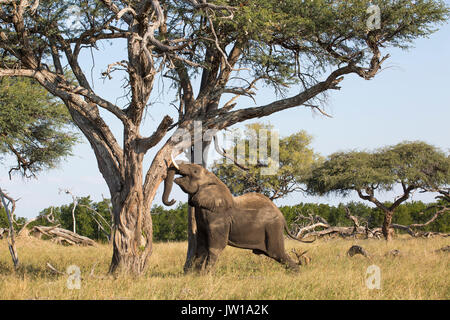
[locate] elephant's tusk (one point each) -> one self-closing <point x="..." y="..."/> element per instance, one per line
<point x="174" y="162"/>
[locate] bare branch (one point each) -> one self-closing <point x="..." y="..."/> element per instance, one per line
<point x="10" y="216"/>
<point x="49" y="217"/>
<point x="203" y="4"/>
<point x="230" y="118"/>
<point x="224" y="154"/>
<point x="314" y="107"/>
<point x="147" y="143"/>
<point x="125" y="16"/>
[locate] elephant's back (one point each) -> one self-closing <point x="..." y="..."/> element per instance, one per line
<point x="253" y="200"/>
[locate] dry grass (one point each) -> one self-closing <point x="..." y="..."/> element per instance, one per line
<point x="419" y="273"/>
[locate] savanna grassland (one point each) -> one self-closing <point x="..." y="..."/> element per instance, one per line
<point x="418" y="273"/>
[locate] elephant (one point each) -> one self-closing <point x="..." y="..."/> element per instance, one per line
<point x="250" y="221"/>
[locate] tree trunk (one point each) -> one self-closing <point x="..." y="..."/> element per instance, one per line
<point x="192" y="240"/>
<point x="386" y="229"/>
<point x="132" y="237"/>
<point x="11" y="240"/>
<point x="133" y="228"/>
<point x="132" y="233"/>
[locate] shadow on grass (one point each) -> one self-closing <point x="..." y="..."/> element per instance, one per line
<point x="169" y="274"/>
<point x="29" y="270"/>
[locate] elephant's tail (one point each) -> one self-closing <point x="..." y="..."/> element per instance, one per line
<point x="294" y="237"/>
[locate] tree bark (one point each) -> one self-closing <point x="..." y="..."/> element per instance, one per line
<point x="131" y="232"/>
<point x="133" y="227"/>
<point x="386" y="228"/>
<point x="11" y="240"/>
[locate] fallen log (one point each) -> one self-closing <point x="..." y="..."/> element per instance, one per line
<point x="61" y="236"/>
<point x="316" y="222"/>
<point x="327" y="229"/>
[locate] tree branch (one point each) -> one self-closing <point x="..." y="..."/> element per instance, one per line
<point x="230" y="118"/>
<point x="145" y="144"/>
<point x="372" y="199"/>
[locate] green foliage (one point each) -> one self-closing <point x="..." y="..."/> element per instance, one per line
<point x="414" y="164"/>
<point x="85" y="216"/>
<point x="33" y="126"/>
<point x="170" y="225"/>
<point x="3" y="219"/>
<point x="406" y="214"/>
<point x="295" y="161"/>
<point x="288" y="42"/>
<point x="281" y="35"/>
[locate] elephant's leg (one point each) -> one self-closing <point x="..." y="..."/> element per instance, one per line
<point x="276" y="250"/>
<point x="213" y="253"/>
<point x="284" y="259"/>
<point x="201" y="253"/>
<point x="217" y="241"/>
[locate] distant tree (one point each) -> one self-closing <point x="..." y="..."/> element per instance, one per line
<point x="170" y="225"/>
<point x="34" y="126"/>
<point x="93" y="218"/>
<point x="295" y="162"/>
<point x="33" y="130"/>
<point x="409" y="165"/>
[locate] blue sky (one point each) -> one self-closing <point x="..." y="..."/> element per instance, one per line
<point x="408" y="100"/>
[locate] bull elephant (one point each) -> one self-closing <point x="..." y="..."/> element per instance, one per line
<point x="250" y="221"/>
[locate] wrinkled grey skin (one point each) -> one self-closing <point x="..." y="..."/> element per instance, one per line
<point x="250" y="221"/>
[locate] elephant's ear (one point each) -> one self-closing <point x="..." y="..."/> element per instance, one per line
<point x="213" y="197"/>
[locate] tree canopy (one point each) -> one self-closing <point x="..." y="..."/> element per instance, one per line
<point x="295" y="160"/>
<point x="34" y="126"/>
<point x="409" y="165"/>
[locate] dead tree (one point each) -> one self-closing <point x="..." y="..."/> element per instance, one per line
<point x="96" y="216"/>
<point x="49" y="217"/>
<point x="8" y="202"/>
<point x="412" y="228"/>
<point x="55" y="233"/>
<point x="61" y="236"/>
<point x="94" y="213"/>
<point x="75" y="203"/>
<point x="316" y="222"/>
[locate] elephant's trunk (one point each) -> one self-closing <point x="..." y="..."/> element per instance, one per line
<point x="168" y="183"/>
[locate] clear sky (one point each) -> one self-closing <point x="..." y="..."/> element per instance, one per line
<point x="408" y="100"/>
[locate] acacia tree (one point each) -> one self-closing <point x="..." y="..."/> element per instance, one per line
<point x="34" y="131"/>
<point x="230" y="47"/>
<point x="34" y="127"/>
<point x="295" y="159"/>
<point x="412" y="166"/>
